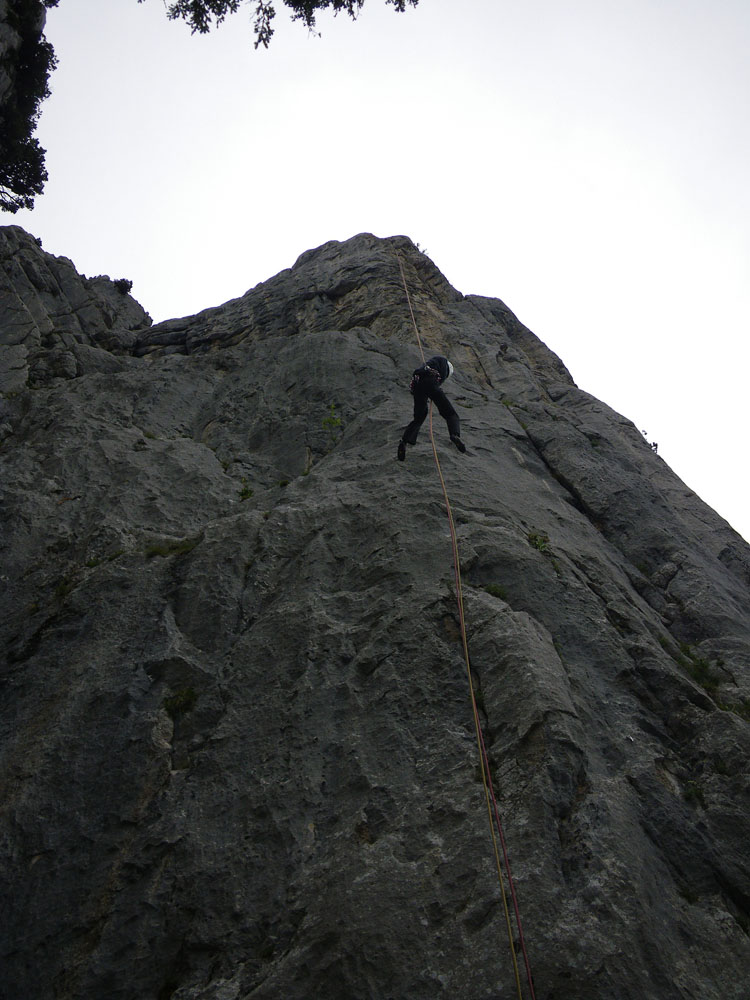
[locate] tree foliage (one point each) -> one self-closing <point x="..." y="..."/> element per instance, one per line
<point x="202" y="15"/>
<point x="26" y="66"/>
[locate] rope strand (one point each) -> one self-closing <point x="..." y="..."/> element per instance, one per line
<point x="483" y="757"/>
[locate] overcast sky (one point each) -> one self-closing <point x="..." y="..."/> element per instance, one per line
<point x="586" y="162"/>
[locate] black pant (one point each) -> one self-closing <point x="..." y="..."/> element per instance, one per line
<point x="421" y="408"/>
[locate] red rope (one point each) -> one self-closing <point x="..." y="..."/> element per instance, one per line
<point x="484" y="759"/>
<point x="511" y="882"/>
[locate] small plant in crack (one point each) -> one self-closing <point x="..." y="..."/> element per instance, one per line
<point x="694" y="793"/>
<point x="699" y="668"/>
<point x="538" y="540"/>
<point x="171" y="548"/>
<point x="740" y="708"/>
<point x="332" y="424"/>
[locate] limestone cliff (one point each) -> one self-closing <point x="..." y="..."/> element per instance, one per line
<point x="237" y="755"/>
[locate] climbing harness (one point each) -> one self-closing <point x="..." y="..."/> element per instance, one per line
<point x="428" y="374"/>
<point x="489" y="794"/>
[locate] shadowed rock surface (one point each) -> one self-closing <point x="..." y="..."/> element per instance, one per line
<point x="237" y="754"/>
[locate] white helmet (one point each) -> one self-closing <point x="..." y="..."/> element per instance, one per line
<point x="450" y="369"/>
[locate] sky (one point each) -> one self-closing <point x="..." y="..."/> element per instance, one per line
<point x="588" y="163"/>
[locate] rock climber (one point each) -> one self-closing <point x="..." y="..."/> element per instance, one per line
<point x="425" y="385"/>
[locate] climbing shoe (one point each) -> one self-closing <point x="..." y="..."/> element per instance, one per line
<point x="458" y="443"/>
<point x="401" y="451"/>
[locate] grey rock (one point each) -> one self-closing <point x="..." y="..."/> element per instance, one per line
<point x="51" y="315"/>
<point x="237" y="746"/>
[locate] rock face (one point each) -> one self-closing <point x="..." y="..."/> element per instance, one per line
<point x="237" y="751"/>
<point x="52" y="316"/>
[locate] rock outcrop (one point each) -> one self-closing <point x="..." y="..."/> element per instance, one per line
<point x="237" y="751"/>
<point x="52" y="316"/>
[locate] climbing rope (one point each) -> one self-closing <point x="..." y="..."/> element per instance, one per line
<point x="489" y="794"/>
